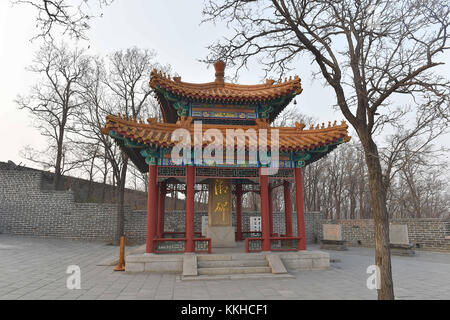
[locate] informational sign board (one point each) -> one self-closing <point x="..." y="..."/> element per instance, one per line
<point x="255" y="224"/>
<point x="204" y="225"/>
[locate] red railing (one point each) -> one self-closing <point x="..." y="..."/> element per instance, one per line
<point x="255" y="234"/>
<point x="246" y="234"/>
<point x="169" y="248"/>
<point x="276" y="244"/>
<point x="284" y="243"/>
<point x="249" y="248"/>
<point x="181" y="234"/>
<point x="199" y="249"/>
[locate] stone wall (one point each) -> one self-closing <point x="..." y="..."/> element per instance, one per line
<point x="28" y="208"/>
<point x="427" y="233"/>
<point x="175" y="220"/>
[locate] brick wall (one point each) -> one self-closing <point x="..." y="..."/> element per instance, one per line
<point x="26" y="208"/>
<point x="426" y="233"/>
<point x="175" y="220"/>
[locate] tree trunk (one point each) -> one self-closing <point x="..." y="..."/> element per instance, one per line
<point x="381" y="218"/>
<point x="120" y="207"/>
<point x="57" y="178"/>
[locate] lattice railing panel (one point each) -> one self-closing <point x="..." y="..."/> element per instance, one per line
<point x="284" y="243"/>
<point x="226" y="172"/>
<point x="169" y="245"/>
<point x="202" y="245"/>
<point x="253" y="244"/>
<point x="171" y="171"/>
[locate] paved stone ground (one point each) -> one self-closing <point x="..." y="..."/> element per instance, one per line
<point x="36" y="269"/>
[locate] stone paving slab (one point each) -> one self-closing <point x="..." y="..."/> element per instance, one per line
<point x="35" y="268"/>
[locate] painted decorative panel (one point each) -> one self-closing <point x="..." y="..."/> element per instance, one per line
<point x="220" y="111"/>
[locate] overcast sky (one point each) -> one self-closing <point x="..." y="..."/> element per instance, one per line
<point x="171" y="27"/>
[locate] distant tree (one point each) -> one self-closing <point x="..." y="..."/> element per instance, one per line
<point x="71" y="17"/>
<point x="53" y="103"/>
<point x="367" y="51"/>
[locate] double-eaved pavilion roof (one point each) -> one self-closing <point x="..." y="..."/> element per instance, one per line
<point x="258" y="104"/>
<point x="132" y="134"/>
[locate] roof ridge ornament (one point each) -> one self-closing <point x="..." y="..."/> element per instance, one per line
<point x="262" y="123"/>
<point x="185" y="122"/>
<point x="300" y="125"/>
<point x="219" y="66"/>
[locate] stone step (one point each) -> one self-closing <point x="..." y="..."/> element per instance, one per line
<point x="231" y="263"/>
<point x="248" y="276"/>
<point x="214" y="257"/>
<point x="248" y="256"/>
<point x="233" y="270"/>
<point x="234" y="256"/>
<point x="276" y="264"/>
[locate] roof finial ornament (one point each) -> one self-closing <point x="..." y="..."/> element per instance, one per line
<point x="219" y="66"/>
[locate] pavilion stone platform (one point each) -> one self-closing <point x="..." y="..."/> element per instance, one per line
<point x="228" y="263"/>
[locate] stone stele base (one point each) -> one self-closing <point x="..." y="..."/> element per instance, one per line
<point x="221" y="236"/>
<point x="333" y="245"/>
<point x="402" y="250"/>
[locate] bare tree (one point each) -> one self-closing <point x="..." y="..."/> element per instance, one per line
<point x="71" y="17"/>
<point x="368" y="51"/>
<point x="92" y="119"/>
<point x="117" y="85"/>
<point x="54" y="101"/>
<point x="127" y="81"/>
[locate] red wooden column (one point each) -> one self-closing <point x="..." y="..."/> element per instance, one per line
<point x="287" y="208"/>
<point x="271" y="209"/>
<point x="265" y="218"/>
<point x="300" y="208"/>
<point x="161" y="207"/>
<point x="158" y="190"/>
<point x="152" y="201"/>
<point x="239" y="212"/>
<point x="190" y="181"/>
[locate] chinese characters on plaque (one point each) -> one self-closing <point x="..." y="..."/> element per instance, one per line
<point x="219" y="202"/>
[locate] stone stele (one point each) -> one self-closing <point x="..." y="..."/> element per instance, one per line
<point x="220" y="228"/>
<point x="398" y="234"/>
<point x="332" y="232"/>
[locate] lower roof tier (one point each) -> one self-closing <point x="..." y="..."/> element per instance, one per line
<point x="307" y="144"/>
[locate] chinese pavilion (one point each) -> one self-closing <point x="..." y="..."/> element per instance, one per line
<point x="222" y="106"/>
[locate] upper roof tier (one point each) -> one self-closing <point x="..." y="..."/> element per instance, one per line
<point x="270" y="94"/>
